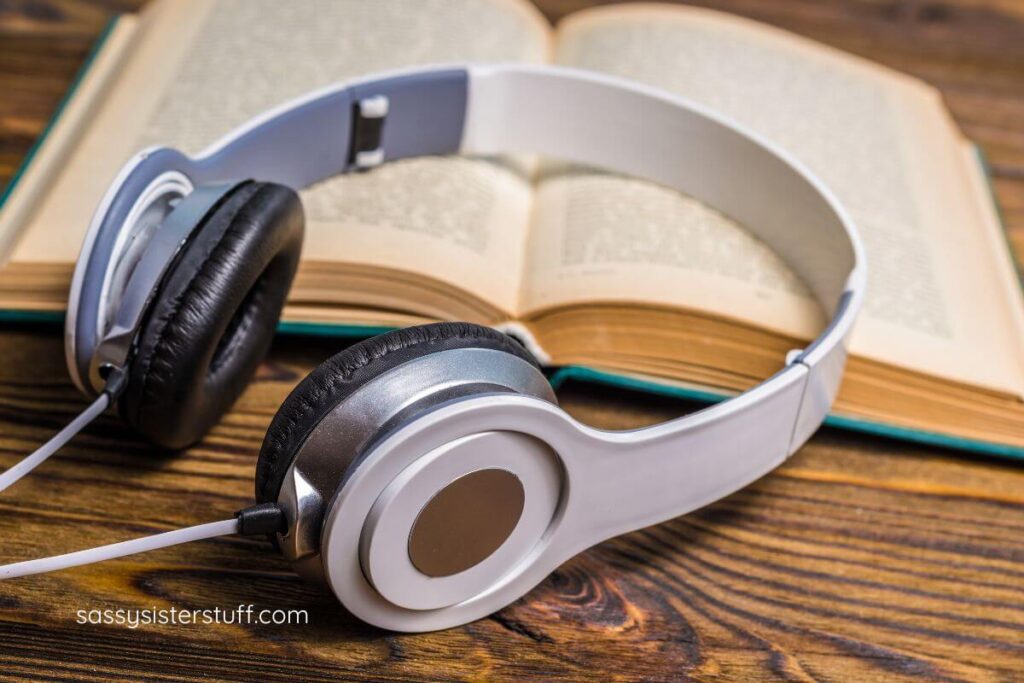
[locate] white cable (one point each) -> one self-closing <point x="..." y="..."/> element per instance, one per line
<point x="30" y="462"/>
<point x="109" y="552"/>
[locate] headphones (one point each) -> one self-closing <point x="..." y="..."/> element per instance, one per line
<point x="427" y="476"/>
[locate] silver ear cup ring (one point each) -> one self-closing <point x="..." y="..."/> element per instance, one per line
<point x="145" y="192"/>
<point x="137" y="270"/>
<point x="154" y="205"/>
<point x="349" y="432"/>
<point x="373" y="520"/>
<point x="517" y="480"/>
<point x="122" y="272"/>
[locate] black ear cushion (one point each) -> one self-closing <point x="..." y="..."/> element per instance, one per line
<point x="214" y="315"/>
<point x="342" y="374"/>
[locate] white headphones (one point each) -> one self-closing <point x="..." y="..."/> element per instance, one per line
<point x="428" y="475"/>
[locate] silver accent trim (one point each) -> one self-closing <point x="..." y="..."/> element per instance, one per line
<point x="303" y="511"/>
<point x="164" y="244"/>
<point x="332" y="448"/>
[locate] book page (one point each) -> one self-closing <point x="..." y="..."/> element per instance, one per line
<point x="204" y="67"/>
<point x="881" y="141"/>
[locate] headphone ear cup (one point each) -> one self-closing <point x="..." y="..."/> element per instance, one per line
<point x="345" y="373"/>
<point x="214" y="314"/>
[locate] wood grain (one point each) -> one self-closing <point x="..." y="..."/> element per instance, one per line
<point x="859" y="560"/>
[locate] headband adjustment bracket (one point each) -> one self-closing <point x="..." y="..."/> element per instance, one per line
<point x="365" y="142"/>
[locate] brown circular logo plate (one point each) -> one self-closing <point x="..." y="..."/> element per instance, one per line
<point x="465" y="522"/>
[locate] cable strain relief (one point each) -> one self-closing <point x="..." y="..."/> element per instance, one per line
<point x="115" y="381"/>
<point x="258" y="520"/>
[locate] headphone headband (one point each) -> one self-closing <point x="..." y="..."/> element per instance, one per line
<point x="565" y="113"/>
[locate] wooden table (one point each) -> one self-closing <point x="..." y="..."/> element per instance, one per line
<point x="861" y="559"/>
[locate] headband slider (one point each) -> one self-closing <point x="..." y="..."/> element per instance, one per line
<point x="368" y="117"/>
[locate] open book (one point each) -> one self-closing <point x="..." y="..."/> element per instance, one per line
<point x="640" y="285"/>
